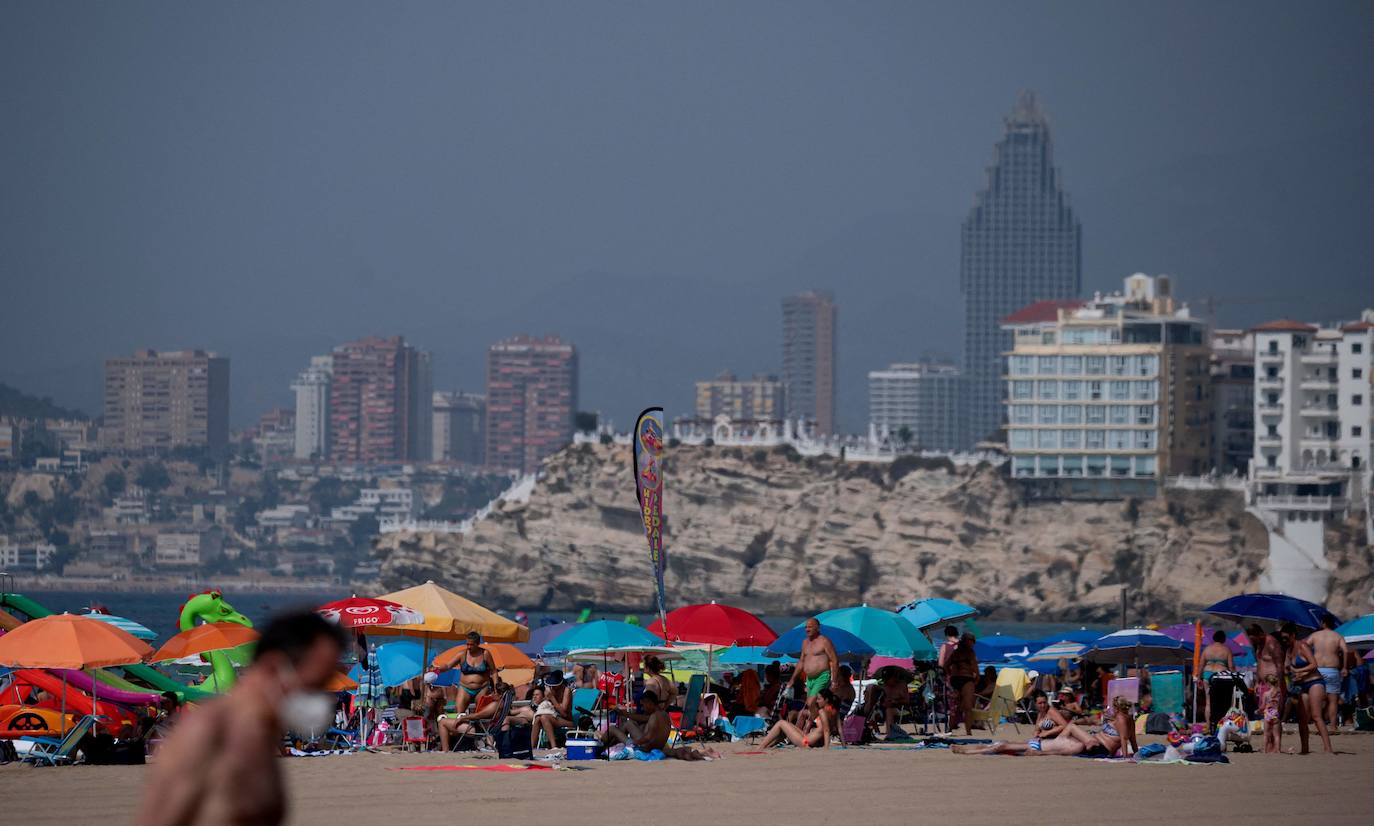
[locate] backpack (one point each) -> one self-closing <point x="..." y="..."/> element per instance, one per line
<point x="513" y="743"/>
<point x="854" y="730"/>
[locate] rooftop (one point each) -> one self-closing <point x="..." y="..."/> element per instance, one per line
<point x="1284" y="325"/>
<point x="1042" y="311"/>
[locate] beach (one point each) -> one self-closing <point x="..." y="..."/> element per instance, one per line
<point x="885" y="783"/>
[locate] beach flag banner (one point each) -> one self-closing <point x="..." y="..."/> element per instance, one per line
<point x="648" y="469"/>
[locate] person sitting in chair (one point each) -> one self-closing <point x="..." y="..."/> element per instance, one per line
<point x="554" y="711"/>
<point x="452" y="729"/>
<point x="891" y="696"/>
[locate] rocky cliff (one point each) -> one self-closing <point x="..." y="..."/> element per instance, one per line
<point x="775" y="532"/>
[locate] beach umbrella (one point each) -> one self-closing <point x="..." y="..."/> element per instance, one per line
<point x="1062" y="650"/>
<point x="603" y="634"/>
<point x="400" y="661"/>
<point x="933" y="611"/>
<point x="202" y="639"/>
<point x="1358" y="633"/>
<point x="1082" y="635"/>
<point x="70" y="642"/>
<point x="448" y="616"/>
<point x="886" y="632"/>
<point x="132" y="628"/>
<point x="714" y="624"/>
<point x="847" y="646"/>
<point x="1273" y="609"/>
<point x="366" y="612"/>
<point x="1000" y="647"/>
<point x="1137" y="646"/>
<point x="512" y="664"/>
<point x="541" y="637"/>
<point x="341" y="682"/>
<point x="1185" y="632"/>
<point x="750" y="655"/>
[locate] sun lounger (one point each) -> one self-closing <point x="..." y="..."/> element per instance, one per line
<point x="51" y="751"/>
<point x="1013" y="684"/>
<point x="686" y="722"/>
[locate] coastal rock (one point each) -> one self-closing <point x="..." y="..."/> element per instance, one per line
<point x="775" y="532"/>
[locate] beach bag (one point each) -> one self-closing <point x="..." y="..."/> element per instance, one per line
<point x="1158" y="723"/>
<point x="514" y="743"/>
<point x="854" y="730"/>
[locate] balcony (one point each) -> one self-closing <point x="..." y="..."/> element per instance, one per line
<point x="1303" y="503"/>
<point x="1268" y="410"/>
<point x="1266" y="441"/>
<point x="1323" y="357"/>
<point x="1313" y="383"/>
<point x="1319" y="411"/>
<point x="1269" y="381"/>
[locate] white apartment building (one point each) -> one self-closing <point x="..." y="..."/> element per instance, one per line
<point x="384" y="503"/>
<point x="33" y="555"/>
<point x="923" y="398"/>
<point x="1313" y="441"/>
<point x="186" y="549"/>
<point x="1108" y="396"/>
<point x="312" y="408"/>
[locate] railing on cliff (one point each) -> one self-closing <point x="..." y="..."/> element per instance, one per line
<point x="519" y="491"/>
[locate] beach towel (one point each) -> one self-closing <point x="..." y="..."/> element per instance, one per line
<point x="499" y="767"/>
<point x="1168" y="692"/>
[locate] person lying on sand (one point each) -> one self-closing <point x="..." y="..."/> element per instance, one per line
<point x="1116" y="734"/>
<point x="1052" y="738"/>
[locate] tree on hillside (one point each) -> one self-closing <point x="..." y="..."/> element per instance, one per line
<point x="153" y="476"/>
<point x="585" y="421"/>
<point x="904" y="435"/>
<point x="114" y="483"/>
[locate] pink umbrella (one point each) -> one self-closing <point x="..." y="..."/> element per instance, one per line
<point x="1183" y="632"/>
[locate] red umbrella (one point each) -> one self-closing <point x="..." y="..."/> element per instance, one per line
<point x="363" y="612"/>
<point x="714" y="624"/>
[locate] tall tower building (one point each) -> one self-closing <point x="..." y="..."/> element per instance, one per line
<point x="376" y="386"/>
<point x="531" y="400"/>
<point x="155" y="401"/>
<point x="312" y="408"/>
<point x="808" y="358"/>
<point x="922" y="398"/>
<point x="460" y="427"/>
<point x="1021" y="244"/>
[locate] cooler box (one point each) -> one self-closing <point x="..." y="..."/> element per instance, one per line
<point x="581" y="749"/>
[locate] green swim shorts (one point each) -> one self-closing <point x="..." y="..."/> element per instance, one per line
<point x="818" y="682"/>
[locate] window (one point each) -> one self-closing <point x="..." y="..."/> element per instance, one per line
<point x="1118" y="365"/>
<point x="1146" y="365"/>
<point x="1144" y="414"/>
<point x="1097" y="465"/>
<point x="1023" y="466"/>
<point x="1271" y="372"/>
<point x="1273" y="346"/>
<point x="1356" y="430"/>
<point x="1118" y="440"/>
<point x="1094" y="439"/>
<point x="1145" y="440"/>
<point x="1121" y="414"/>
<point x="1047" y="438"/>
<point x="1097" y="414"/>
<point x="1049" y="389"/>
<point x="1097" y="365"/>
<point x="1121" y="466"/>
<point x="1071" y="414"/>
<point x="1047" y="337"/>
<point x="1073" y="465"/>
<point x="1023" y="389"/>
<point x="1023" y="413"/>
<point x="1073" y="390"/>
<point x="1049" y="365"/>
<point x="1356" y="347"/>
<point x="1356" y="373"/>
<point x="1095" y="390"/>
<point x="1071" y="365"/>
<point x="1144" y="466"/>
<point x="1049" y="414"/>
<point x="1022" y="365"/>
<point x="1121" y="390"/>
<point x="1049" y="465"/>
<point x="1145" y="390"/>
<point x="1071" y="439"/>
<point x="1357" y="400"/>
<point x="1020" y="439"/>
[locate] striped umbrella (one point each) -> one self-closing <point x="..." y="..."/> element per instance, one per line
<point x="128" y="626"/>
<point x="1062" y="650"/>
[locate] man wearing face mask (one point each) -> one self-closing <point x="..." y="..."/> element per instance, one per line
<point x="219" y="764"/>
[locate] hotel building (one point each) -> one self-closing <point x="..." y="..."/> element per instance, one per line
<point x="155" y="401"/>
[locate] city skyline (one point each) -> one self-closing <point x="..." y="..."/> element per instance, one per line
<point x="161" y="192"/>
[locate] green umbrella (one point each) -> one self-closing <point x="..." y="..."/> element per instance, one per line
<point x="887" y="633"/>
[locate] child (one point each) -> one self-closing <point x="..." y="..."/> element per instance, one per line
<point x="1269" y="712"/>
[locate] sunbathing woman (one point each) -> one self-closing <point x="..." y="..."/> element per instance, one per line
<point x="1050" y="727"/>
<point x="1117" y="732"/>
<point x="817" y="737"/>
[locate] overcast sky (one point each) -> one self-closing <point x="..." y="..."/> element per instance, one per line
<point x="648" y="179"/>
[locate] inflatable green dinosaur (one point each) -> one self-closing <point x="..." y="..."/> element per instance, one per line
<point x="209" y="606"/>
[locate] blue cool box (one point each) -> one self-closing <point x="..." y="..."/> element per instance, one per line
<point x="582" y="749"/>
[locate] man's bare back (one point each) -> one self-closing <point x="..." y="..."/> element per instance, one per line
<point x="1329" y="648"/>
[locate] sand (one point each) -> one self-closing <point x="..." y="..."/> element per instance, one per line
<point x="877" y="784"/>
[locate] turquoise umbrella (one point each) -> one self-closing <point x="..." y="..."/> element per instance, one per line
<point x="1359" y="632"/>
<point x="142" y="632"/>
<point x="887" y="633"/>
<point x="750" y="655"/>
<point x="933" y="611"/>
<point x="600" y="635"/>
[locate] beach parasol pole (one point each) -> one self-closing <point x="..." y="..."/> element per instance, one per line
<point x="64" y="703"/>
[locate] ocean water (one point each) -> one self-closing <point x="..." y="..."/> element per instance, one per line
<point x="159" y="611"/>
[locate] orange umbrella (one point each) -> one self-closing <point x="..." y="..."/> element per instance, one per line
<point x="340" y="682"/>
<point x="70" y="641"/>
<point x="212" y="636"/>
<point x="503" y="654"/>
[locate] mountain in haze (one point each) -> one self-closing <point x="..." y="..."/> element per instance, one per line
<point x="15" y="402"/>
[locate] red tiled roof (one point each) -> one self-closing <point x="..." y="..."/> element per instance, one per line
<point x="1357" y="326"/>
<point x="1041" y="311"/>
<point x="1283" y="325"/>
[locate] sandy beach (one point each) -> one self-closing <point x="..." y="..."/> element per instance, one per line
<point x="891" y="783"/>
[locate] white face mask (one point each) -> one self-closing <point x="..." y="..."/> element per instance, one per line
<point x="304" y="712"/>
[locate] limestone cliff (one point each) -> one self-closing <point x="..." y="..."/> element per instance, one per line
<point x="775" y="532"/>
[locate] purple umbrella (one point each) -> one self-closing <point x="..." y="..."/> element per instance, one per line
<point x="1184" y="631"/>
<point x="542" y="636"/>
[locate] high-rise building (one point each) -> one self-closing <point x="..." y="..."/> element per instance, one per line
<point x="758" y="399"/>
<point x="1108" y="396"/>
<point x="1021" y="243"/>
<point x="380" y="402"/>
<point x="808" y="358"/>
<point x="312" y="408"/>
<point x="460" y="427"/>
<point x="155" y="401"/>
<point x="1233" y="400"/>
<point x="917" y="401"/>
<point x="531" y="400"/>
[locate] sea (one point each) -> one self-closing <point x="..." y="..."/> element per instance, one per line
<point x="160" y="611"/>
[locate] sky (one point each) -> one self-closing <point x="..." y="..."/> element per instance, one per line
<point x="646" y="179"/>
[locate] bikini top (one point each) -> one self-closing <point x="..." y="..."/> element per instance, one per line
<point x="468" y="668"/>
<point x="1109" y="729"/>
<point x="1047" y="724"/>
<point x="1299" y="661"/>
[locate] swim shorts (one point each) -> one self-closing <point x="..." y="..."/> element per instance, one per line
<point x="1033" y="744"/>
<point x="1331" y="679"/>
<point x="818" y="682"/>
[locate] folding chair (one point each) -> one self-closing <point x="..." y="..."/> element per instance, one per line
<point x="415" y="731"/>
<point x="691" y="704"/>
<point x="52" y="751"/>
<point x="1012" y="686"/>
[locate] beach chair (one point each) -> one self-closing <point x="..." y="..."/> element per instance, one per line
<point x="490" y="728"/>
<point x="52" y="751"/>
<point x="1013" y="684"/>
<point x="686" y="724"/>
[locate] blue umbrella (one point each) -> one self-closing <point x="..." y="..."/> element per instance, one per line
<point x="1139" y="645"/>
<point x="933" y="611"/>
<point x="1358" y="633"/>
<point x="846" y="644"/>
<point x="142" y="632"/>
<point x="1272" y="608"/>
<point x="887" y="633"/>
<point x="541" y="637"/>
<point x="1000" y="647"/>
<point x="1082" y="636"/>
<point x="400" y="661"/>
<point x="750" y="655"/>
<point x="1053" y="653"/>
<point x="600" y="635"/>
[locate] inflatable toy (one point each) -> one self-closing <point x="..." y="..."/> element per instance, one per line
<point x="32" y="721"/>
<point x="209" y="606"/>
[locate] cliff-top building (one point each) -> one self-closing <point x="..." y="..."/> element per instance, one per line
<point x="918" y="401"/>
<point x="155" y="401"/>
<point x="1021" y="243"/>
<point x="808" y="358"/>
<point x="758" y="398"/>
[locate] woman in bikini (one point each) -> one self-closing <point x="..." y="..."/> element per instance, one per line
<point x="1302" y="675"/>
<point x="962" y="668"/>
<point x="817" y="737"/>
<point x="1216" y="659"/>
<point x="1116" y="734"/>
<point x="476" y="672"/>
<point x="1050" y="737"/>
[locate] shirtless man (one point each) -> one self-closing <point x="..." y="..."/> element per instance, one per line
<point x="1324" y="697"/>
<point x="647" y="731"/>
<point x="219" y="765"/>
<point x="818" y="664"/>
